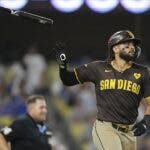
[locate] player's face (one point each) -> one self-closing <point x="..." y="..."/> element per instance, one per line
<point x="39" y="110"/>
<point x="127" y="51"/>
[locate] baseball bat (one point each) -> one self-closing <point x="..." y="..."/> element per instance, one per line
<point x="27" y="15"/>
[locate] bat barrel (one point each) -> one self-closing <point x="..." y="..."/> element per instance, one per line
<point x="27" y="15"/>
<point x="38" y="18"/>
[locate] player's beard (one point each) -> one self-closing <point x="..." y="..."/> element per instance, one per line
<point x="127" y="56"/>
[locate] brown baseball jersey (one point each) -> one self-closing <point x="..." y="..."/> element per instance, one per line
<point x="118" y="94"/>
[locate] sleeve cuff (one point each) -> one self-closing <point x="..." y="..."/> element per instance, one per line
<point x="5" y="132"/>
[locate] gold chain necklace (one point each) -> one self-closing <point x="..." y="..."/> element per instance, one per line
<point x="117" y="68"/>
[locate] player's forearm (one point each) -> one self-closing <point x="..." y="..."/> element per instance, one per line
<point x="3" y="143"/>
<point x="68" y="77"/>
<point x="147" y="111"/>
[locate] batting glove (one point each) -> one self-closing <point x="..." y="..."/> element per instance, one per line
<point x="141" y="127"/>
<point x="60" y="54"/>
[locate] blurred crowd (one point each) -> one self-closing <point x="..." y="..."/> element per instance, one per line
<point x="72" y="110"/>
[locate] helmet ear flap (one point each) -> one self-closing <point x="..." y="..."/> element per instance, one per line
<point x="138" y="51"/>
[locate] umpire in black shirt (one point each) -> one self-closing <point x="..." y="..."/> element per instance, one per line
<point x="30" y="131"/>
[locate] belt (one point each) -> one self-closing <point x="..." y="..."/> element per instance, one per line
<point x="119" y="127"/>
<point x="122" y="128"/>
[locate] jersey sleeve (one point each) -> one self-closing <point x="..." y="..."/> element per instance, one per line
<point x="85" y="73"/>
<point x="12" y="132"/>
<point x="147" y="83"/>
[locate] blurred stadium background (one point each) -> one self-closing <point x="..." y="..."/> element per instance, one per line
<point x="27" y="65"/>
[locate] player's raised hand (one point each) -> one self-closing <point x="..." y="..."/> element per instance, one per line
<point x="60" y="51"/>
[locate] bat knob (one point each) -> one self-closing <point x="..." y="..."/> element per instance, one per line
<point x="14" y="13"/>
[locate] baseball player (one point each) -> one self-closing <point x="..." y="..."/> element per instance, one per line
<point x="120" y="85"/>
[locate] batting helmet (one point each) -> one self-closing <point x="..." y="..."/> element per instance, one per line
<point x="121" y="37"/>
